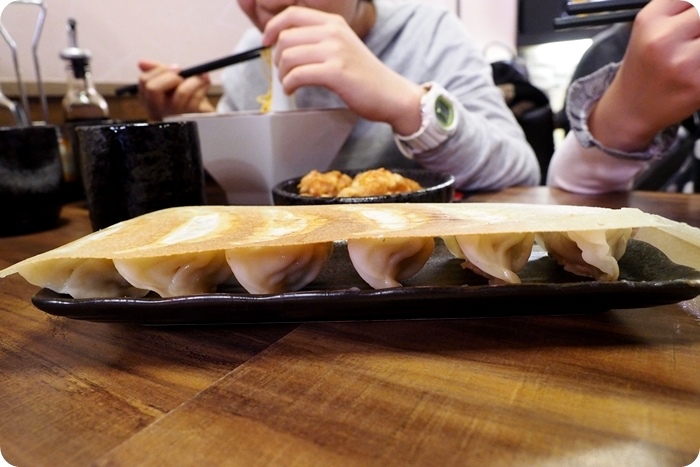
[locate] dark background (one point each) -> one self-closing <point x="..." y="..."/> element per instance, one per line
<point x="536" y="23"/>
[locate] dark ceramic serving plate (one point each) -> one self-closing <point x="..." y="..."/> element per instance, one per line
<point x="437" y="188"/>
<point x="441" y="290"/>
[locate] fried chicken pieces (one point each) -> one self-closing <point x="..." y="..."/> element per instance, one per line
<point x="325" y="184"/>
<point x="376" y="182"/>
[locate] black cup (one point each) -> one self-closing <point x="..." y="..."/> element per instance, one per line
<point x="73" y="189"/>
<point x="130" y="169"/>
<point x="30" y="179"/>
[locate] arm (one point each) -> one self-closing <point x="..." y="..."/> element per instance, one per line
<point x="625" y="117"/>
<point x="488" y="151"/>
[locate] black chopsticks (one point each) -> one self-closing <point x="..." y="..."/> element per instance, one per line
<point x="598" y="13"/>
<point x="603" y="6"/>
<point x="203" y="68"/>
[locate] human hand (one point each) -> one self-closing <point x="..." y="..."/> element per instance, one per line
<point x="164" y="92"/>
<point x="658" y="83"/>
<point x="315" y="48"/>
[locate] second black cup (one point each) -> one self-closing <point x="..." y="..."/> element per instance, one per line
<point x="30" y="179"/>
<point x="131" y="169"/>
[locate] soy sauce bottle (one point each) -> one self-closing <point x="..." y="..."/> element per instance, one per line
<point x="82" y="105"/>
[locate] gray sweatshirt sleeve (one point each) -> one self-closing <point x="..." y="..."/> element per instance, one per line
<point x="489" y="150"/>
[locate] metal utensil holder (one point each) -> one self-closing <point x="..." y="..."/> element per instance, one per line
<point x="22" y="114"/>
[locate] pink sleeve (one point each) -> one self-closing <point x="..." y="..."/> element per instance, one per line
<point x="590" y="170"/>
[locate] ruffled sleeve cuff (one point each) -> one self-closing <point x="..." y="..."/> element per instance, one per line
<point x="587" y="91"/>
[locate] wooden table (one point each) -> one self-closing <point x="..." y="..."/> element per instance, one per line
<point x="616" y="388"/>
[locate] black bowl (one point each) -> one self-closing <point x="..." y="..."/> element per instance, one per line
<point x="437" y="188"/>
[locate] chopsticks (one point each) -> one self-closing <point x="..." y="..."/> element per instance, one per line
<point x="598" y="13"/>
<point x="203" y="68"/>
<point x="604" y="5"/>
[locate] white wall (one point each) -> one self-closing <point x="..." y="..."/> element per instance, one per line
<point x="119" y="32"/>
<point x="491" y="22"/>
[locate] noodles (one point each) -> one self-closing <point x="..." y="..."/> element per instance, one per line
<point x="265" y="100"/>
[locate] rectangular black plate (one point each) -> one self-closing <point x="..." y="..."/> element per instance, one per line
<point x="441" y="290"/>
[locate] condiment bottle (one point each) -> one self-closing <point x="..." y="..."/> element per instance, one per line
<point x="82" y="105"/>
<point x="82" y="101"/>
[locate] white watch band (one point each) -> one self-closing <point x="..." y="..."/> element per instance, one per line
<point x="431" y="133"/>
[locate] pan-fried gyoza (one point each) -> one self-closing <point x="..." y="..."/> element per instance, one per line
<point x="276" y="249"/>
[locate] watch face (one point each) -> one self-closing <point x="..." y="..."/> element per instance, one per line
<point x="444" y="111"/>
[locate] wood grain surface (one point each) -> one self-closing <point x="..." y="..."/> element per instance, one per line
<point x="616" y="388"/>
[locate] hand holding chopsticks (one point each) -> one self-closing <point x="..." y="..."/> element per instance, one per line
<point x="203" y="68"/>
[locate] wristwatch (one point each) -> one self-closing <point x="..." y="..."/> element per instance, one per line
<point x="439" y="122"/>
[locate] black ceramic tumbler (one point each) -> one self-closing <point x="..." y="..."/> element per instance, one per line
<point x="30" y="179"/>
<point x="131" y="169"/>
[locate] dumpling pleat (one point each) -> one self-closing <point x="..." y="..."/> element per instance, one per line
<point x="497" y="257"/>
<point x="81" y="278"/>
<point x="176" y="275"/>
<point x="590" y="253"/>
<point x="278" y="269"/>
<point x="385" y="262"/>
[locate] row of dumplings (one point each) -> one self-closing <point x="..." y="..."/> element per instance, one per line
<point x="381" y="262"/>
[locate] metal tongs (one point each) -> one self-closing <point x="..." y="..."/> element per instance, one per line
<point x="21" y="113"/>
<point x="15" y="109"/>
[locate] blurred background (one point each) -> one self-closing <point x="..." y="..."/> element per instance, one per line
<point x="118" y="33"/>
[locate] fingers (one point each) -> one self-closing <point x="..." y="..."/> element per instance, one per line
<point x="687" y="22"/>
<point x="670" y="43"/>
<point x="296" y="37"/>
<point x="293" y="17"/>
<point x="676" y="16"/>
<point x="189" y="95"/>
<point x="148" y="65"/>
<point x="296" y="65"/>
<point x="668" y="7"/>
<point x="151" y="69"/>
<point x="314" y="48"/>
<point x="164" y="92"/>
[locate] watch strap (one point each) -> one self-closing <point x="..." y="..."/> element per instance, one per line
<point x="431" y="134"/>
